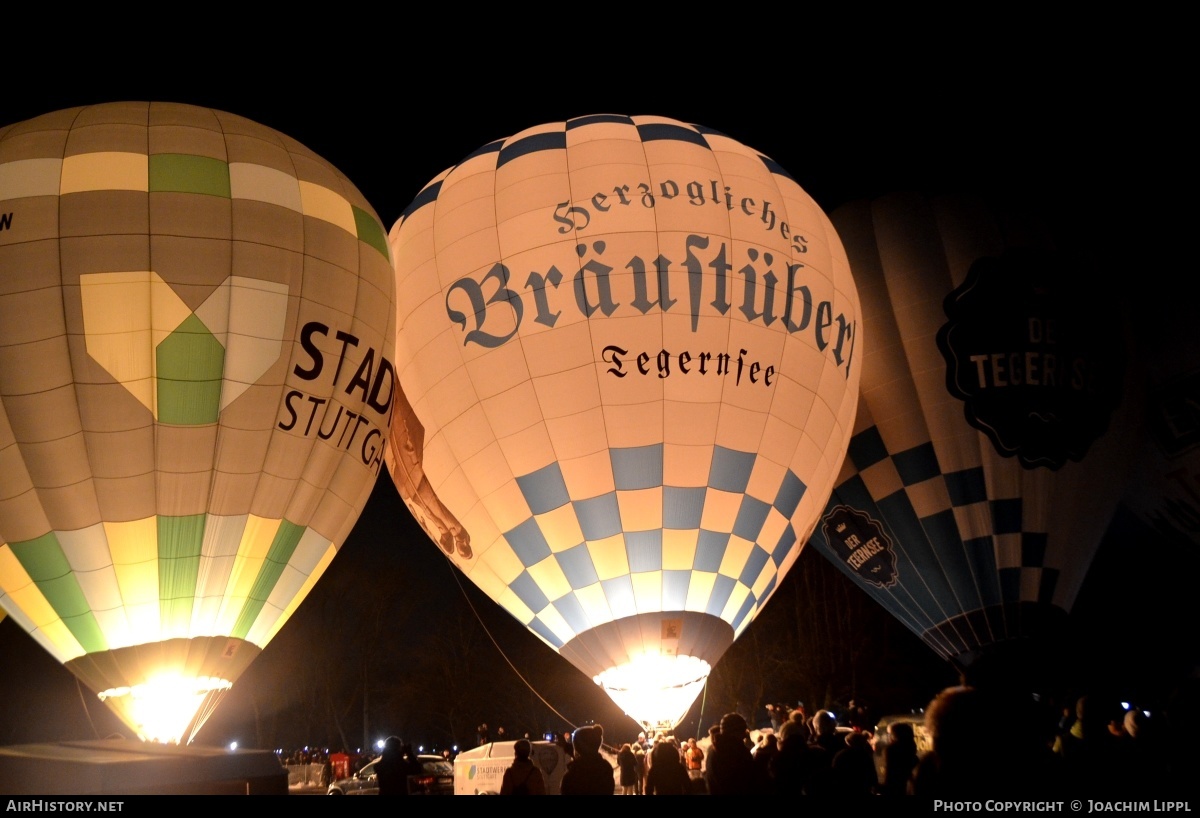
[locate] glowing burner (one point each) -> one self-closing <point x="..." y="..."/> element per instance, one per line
<point x="167" y="706"/>
<point x="656" y="690"/>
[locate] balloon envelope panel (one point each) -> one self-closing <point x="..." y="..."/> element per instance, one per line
<point x="993" y="423"/>
<point x="1163" y="490"/>
<point x="195" y="341"/>
<point x="628" y="349"/>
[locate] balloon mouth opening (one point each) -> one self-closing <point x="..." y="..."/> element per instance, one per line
<point x="166" y="707"/>
<point x="656" y="690"/>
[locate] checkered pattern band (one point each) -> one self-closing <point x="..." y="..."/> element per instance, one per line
<point x="687" y="566"/>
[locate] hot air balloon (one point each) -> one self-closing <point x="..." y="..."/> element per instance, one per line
<point x="993" y="426"/>
<point x="195" y="385"/>
<point x="627" y="350"/>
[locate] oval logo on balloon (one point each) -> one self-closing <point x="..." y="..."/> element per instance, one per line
<point x="627" y="347"/>
<point x="1038" y="372"/>
<point x="862" y="543"/>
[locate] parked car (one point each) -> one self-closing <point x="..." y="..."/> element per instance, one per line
<point x="363" y="782"/>
<point x="436" y="778"/>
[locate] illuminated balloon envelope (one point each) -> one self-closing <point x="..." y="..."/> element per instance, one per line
<point x="628" y="347"/>
<point x="989" y="449"/>
<point x="195" y="381"/>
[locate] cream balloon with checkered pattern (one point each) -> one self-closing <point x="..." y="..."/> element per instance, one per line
<point x="628" y="348"/>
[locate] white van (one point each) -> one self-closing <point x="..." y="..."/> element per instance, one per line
<point x="481" y="771"/>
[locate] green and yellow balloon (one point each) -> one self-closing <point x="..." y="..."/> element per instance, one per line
<point x="196" y="333"/>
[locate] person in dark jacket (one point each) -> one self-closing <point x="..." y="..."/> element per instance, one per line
<point x="391" y="772"/>
<point x="627" y="761"/>
<point x="523" y="777"/>
<point x="588" y="773"/>
<point x="730" y="768"/>
<point x="899" y="759"/>
<point x="667" y="774"/>
<point x="853" y="768"/>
